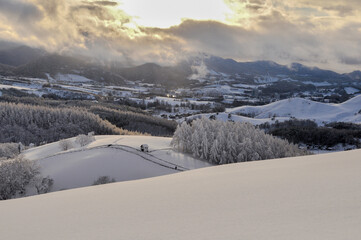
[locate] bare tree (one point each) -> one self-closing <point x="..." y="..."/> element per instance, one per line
<point x="84" y="140"/>
<point x="103" y="180"/>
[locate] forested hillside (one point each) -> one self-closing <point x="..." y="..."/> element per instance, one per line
<point x="125" y="117"/>
<point x="36" y="124"/>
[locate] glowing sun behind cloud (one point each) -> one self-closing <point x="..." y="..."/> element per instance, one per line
<point x="167" y="13"/>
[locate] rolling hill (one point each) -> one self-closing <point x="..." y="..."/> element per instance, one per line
<point x="312" y="197"/>
<point x="114" y="156"/>
<point x="50" y="65"/>
<point x="299" y="108"/>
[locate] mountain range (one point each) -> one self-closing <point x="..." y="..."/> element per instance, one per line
<point x="30" y="62"/>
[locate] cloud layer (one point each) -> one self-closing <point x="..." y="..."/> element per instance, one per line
<point x="317" y="33"/>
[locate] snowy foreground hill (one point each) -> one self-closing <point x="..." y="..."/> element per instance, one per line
<point x="115" y="156"/>
<point x="312" y="197"/>
<point x="299" y="108"/>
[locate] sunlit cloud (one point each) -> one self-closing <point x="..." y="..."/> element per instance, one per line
<point x="165" y="13"/>
<point x="317" y="33"/>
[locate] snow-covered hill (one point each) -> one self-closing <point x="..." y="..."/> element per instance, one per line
<point x="312" y="197"/>
<point x="302" y="109"/>
<point x="118" y="157"/>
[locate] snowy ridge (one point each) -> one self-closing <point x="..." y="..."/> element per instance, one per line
<point x="305" y="109"/>
<point x="312" y="197"/>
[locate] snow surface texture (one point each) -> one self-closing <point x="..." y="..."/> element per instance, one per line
<point x="301" y="109"/>
<point x="115" y="156"/>
<point x="313" y="197"/>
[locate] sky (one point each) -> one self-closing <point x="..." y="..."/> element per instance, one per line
<point x="322" y="33"/>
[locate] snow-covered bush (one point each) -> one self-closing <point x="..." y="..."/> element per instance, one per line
<point x="84" y="140"/>
<point x="9" y="150"/>
<point x="65" y="144"/>
<point x="103" y="180"/>
<point x="227" y="142"/>
<point x="44" y="185"/>
<point x="15" y="175"/>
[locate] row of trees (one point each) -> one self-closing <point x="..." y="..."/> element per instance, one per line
<point x="81" y="140"/>
<point x="36" y="124"/>
<point x="227" y="142"/>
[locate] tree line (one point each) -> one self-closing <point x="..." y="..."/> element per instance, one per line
<point x="308" y="132"/>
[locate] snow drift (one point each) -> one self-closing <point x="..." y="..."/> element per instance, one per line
<point x="312" y="197"/>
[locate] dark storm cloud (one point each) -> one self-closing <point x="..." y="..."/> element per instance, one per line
<point x="20" y="10"/>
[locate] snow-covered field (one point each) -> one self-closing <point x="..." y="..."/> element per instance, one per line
<point x="70" y="78"/>
<point x="312" y="197"/>
<point x="318" y="84"/>
<point x="173" y="101"/>
<point x="351" y="90"/>
<point x="80" y="89"/>
<point x="118" y="157"/>
<point x="2" y="86"/>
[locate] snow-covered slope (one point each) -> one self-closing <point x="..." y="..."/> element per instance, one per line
<point x="118" y="157"/>
<point x="305" y="109"/>
<point x="312" y="197"/>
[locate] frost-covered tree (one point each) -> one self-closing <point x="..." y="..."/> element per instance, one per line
<point x="228" y="142"/>
<point x="15" y="175"/>
<point x="9" y="150"/>
<point x="183" y="138"/>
